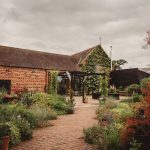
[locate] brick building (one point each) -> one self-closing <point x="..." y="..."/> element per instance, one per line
<point x="21" y="68"/>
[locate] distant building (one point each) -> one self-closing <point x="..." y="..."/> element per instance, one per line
<point x="126" y="77"/>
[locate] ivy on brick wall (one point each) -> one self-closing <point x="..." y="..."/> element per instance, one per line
<point x="97" y="59"/>
<point x="53" y="83"/>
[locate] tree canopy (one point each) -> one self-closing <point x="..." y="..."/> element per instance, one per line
<point x="118" y="63"/>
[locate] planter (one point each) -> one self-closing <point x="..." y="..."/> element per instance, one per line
<point x="96" y="95"/>
<point x="5" y="143"/>
<point x="115" y="96"/>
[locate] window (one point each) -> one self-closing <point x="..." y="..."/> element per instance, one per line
<point x="6" y="84"/>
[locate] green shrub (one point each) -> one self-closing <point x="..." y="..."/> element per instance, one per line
<point x="24" y="113"/>
<point x="24" y="129"/>
<point x="92" y="134"/>
<point x="15" y="136"/>
<point x="69" y="109"/>
<point x="134" y="88"/>
<point x="127" y="100"/>
<point x="56" y="102"/>
<point x="3" y="92"/>
<point x="26" y="99"/>
<point x="110" y="104"/>
<point x="104" y="114"/>
<point x="60" y="105"/>
<point x="110" y="137"/>
<point x="144" y="82"/>
<point x="135" y="145"/>
<point x="10" y="129"/>
<point x="105" y="137"/>
<point x="123" y="112"/>
<point x="137" y="97"/>
<point x="41" y="99"/>
<point x="112" y="90"/>
<point x="10" y="112"/>
<point x="19" y="120"/>
<point x="42" y="115"/>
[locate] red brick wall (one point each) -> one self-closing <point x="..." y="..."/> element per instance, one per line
<point x="32" y="79"/>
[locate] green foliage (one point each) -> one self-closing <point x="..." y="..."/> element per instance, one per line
<point x="41" y="99"/>
<point x="112" y="90"/>
<point x="122" y="112"/>
<point x="112" y="116"/>
<point x="24" y="129"/>
<point x="92" y="134"/>
<point x="42" y="115"/>
<point x="18" y="120"/>
<point x="104" y="112"/>
<point x="3" y="92"/>
<point x="110" y="137"/>
<point x="100" y="58"/>
<point x="144" y="82"/>
<point x="26" y="99"/>
<point x="126" y="100"/>
<point x="53" y="83"/>
<point x="135" y="145"/>
<point x="104" y="86"/>
<point x="4" y="129"/>
<point x="9" y="129"/>
<point x="118" y="63"/>
<point x="10" y="112"/>
<point x="107" y="138"/>
<point x="137" y="97"/>
<point x="55" y="102"/>
<point x="134" y="88"/>
<point x="15" y="136"/>
<point x="61" y="106"/>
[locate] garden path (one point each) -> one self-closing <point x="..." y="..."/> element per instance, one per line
<point x="66" y="132"/>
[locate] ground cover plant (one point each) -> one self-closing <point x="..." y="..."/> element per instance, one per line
<point x="123" y="125"/>
<point x="139" y="126"/>
<point x="111" y="117"/>
<point x="31" y="110"/>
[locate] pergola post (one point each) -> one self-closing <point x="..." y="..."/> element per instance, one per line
<point x="70" y="76"/>
<point x="84" y="91"/>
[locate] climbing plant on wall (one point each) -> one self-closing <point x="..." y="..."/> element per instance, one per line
<point x="103" y="85"/>
<point x="53" y="83"/>
<point x="98" y="57"/>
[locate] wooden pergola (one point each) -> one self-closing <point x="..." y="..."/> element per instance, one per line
<point x="72" y="77"/>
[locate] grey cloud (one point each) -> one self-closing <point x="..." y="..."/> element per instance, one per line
<point x="68" y="26"/>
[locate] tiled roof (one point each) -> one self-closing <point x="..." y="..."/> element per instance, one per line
<point x="17" y="57"/>
<point x="83" y="54"/>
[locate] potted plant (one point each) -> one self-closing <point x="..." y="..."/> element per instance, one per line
<point x="4" y="136"/>
<point x="96" y="95"/>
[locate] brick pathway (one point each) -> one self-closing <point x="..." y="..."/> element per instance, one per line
<point x="67" y="132"/>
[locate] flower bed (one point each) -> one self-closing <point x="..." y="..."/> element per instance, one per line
<point x="123" y="125"/>
<point x="18" y="118"/>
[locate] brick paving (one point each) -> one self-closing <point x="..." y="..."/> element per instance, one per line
<point x="66" y="132"/>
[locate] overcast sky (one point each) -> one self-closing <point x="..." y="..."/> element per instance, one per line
<point x="69" y="26"/>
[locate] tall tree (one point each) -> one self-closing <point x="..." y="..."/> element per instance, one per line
<point x="118" y="63"/>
